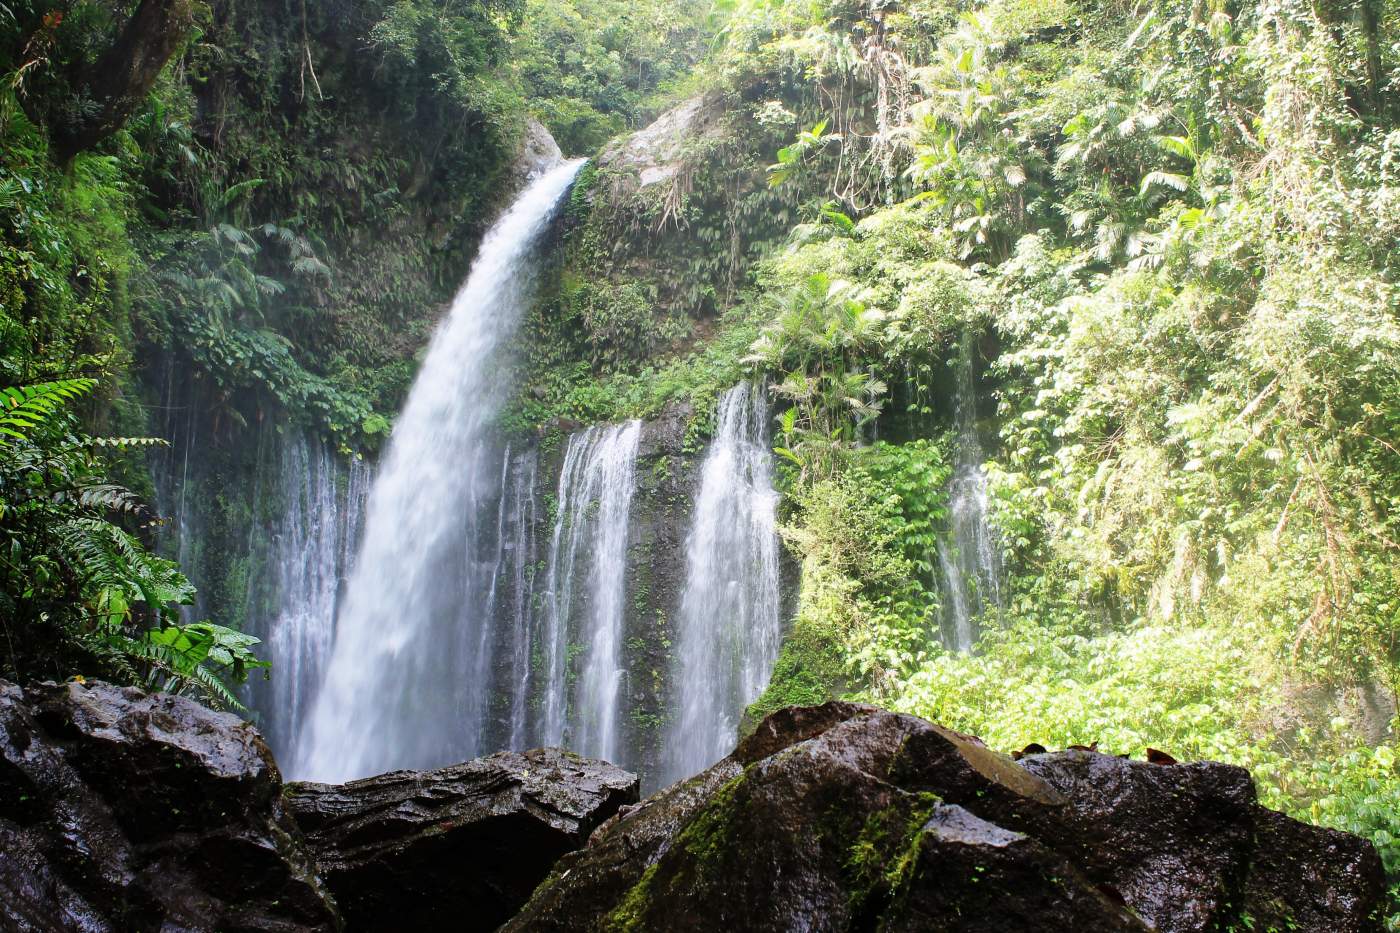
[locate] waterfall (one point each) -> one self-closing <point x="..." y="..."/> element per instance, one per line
<point x="175" y="471"/>
<point x="409" y="678"/>
<point x="306" y="560"/>
<point x="512" y="590"/>
<point x="969" y="554"/>
<point x="280" y="576"/>
<point x="729" y="625"/>
<point x="594" y="502"/>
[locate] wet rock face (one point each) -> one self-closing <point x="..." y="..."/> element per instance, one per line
<point x="661" y="517"/>
<point x="458" y="848"/>
<point x="656" y="154"/>
<point x="124" y="811"/>
<point x="535" y="154"/>
<point x="846" y="817"/>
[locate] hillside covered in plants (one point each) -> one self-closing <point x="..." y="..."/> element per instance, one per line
<point x="1054" y="344"/>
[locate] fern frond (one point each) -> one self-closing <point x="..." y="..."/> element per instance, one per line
<point x="87" y="544"/>
<point x="178" y="674"/>
<point x="124" y="443"/>
<point x="1173" y="180"/>
<point x="24" y="408"/>
<point x="9" y="188"/>
<point x="112" y="498"/>
<point x="310" y="265"/>
<point x="215" y="691"/>
<point x="234" y="192"/>
<point x="104" y="555"/>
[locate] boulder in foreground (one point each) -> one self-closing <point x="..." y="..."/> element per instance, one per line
<point x="124" y="811"/>
<point x="847" y="817"/>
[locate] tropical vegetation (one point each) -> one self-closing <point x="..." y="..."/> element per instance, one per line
<point x="1158" y="240"/>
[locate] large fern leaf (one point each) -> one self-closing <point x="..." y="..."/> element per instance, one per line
<point x="25" y="408"/>
<point x="111" y="497"/>
<point x="124" y="443"/>
<point x="165" y="664"/>
<point x="105" y="556"/>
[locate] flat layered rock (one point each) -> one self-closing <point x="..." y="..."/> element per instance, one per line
<point x="457" y="848"/>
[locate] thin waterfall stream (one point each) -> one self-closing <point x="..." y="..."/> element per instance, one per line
<point x="596" y="487"/>
<point x="408" y="680"/>
<point x="969" y="554"/>
<point x="308" y="557"/>
<point x="512" y="589"/>
<point x="730" y="616"/>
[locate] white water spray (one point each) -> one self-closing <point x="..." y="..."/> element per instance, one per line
<point x="310" y="549"/>
<point x="596" y="487"/>
<point x="408" y="680"/>
<point x="729" y="624"/>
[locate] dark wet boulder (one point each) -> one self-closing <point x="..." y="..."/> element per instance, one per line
<point x="125" y="811"/>
<point x="1308" y="878"/>
<point x="846" y="817"/>
<point x="457" y="848"/>
<point x="1188" y="846"/>
<point x="1174" y="841"/>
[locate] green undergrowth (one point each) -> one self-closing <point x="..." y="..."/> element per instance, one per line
<point x="1204" y="692"/>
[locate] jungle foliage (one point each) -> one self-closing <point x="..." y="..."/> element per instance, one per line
<point x="1165" y="236"/>
<point x="77" y="576"/>
<point x="593" y="69"/>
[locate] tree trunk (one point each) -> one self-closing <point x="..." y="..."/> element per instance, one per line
<point x="120" y="80"/>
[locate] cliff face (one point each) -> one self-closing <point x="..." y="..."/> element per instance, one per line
<point x="660" y="517"/>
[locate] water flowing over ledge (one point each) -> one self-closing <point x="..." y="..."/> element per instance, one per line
<point x="590" y="546"/>
<point x="729" y="623"/>
<point x="307" y="560"/>
<point x="408" y="679"/>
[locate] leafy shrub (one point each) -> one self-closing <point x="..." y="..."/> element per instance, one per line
<point x="79" y="590"/>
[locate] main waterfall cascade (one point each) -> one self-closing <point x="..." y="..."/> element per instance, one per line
<point x="969" y="553"/>
<point x="589" y="543"/>
<point x="408" y="679"/>
<point x="469" y="602"/>
<point x="729" y="624"/>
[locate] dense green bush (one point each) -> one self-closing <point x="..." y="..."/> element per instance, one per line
<point x="1165" y="238"/>
<point x="79" y="592"/>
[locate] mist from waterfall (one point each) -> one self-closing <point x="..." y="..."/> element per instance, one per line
<point x="306" y="559"/>
<point x="587" y="595"/>
<point x="409" y="680"/>
<point x="728" y="627"/>
<point x="969" y="553"/>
